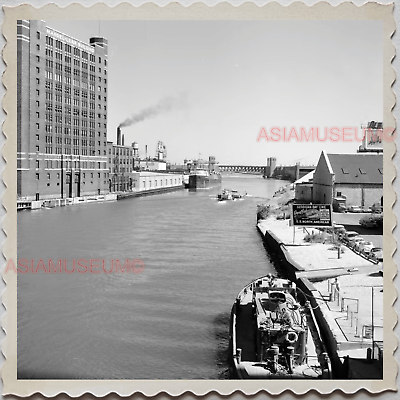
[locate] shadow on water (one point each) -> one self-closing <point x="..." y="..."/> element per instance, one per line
<point x="221" y="326"/>
<point x="221" y="336"/>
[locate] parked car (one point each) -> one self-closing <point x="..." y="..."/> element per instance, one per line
<point x="366" y="247"/>
<point x="372" y="221"/>
<point x="368" y="223"/>
<point x="377" y="252"/>
<point x="335" y="225"/>
<point x="350" y="235"/>
<point x="340" y="208"/>
<point x="376" y="208"/>
<point x="356" y="242"/>
<point x="355" y="209"/>
<point x="339" y="229"/>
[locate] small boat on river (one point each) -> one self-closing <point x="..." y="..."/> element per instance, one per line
<point x="273" y="336"/>
<point x="228" y="194"/>
<point x="225" y="195"/>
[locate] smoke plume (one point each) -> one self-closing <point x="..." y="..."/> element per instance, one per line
<point x="163" y="106"/>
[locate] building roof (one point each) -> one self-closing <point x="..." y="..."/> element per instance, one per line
<point x="307" y="178"/>
<point x="357" y="168"/>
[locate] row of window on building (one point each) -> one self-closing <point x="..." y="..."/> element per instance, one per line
<point x="68" y="93"/>
<point x="58" y="174"/>
<point x="121" y="151"/>
<point x="77" y="151"/>
<point x="67" y="80"/>
<point x="68" y="164"/>
<point x="76" y="113"/>
<point x="75" y="142"/>
<point x="77" y="103"/>
<point x="67" y="130"/>
<point x="69" y="49"/>
<point x="58" y="119"/>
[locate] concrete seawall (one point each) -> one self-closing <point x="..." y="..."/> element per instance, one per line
<point x="290" y="268"/>
<point x="51" y="203"/>
<point x="38" y="204"/>
<point x="149" y="192"/>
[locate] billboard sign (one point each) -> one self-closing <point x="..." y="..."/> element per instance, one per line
<point x="311" y="215"/>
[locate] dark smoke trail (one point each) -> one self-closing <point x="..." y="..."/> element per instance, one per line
<point x="163" y="106"/>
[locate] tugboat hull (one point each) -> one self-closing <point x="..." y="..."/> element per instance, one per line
<point x="203" y="182"/>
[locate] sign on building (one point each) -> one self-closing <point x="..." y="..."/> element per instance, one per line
<point x="311" y="215"/>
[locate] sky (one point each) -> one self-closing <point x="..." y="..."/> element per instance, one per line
<point x="206" y="88"/>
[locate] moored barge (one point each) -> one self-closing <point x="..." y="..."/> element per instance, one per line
<point x="273" y="336"/>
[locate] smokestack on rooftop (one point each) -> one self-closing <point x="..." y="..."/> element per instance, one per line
<point x="123" y="140"/>
<point x="118" y="136"/>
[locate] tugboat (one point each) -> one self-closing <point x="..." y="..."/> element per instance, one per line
<point x="273" y="336"/>
<point x="225" y="195"/>
<point x="228" y="194"/>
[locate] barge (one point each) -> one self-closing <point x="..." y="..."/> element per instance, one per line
<point x="272" y="336"/>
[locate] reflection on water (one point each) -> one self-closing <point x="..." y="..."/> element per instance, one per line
<point x="170" y="321"/>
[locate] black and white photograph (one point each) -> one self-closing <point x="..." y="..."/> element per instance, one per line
<point x="203" y="200"/>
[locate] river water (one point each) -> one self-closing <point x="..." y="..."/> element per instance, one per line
<point x="171" y="320"/>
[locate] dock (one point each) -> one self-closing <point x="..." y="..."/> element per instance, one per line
<point x="347" y="292"/>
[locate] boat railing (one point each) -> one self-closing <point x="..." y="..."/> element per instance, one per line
<point x="368" y="331"/>
<point x="347" y="300"/>
<point x="265" y="289"/>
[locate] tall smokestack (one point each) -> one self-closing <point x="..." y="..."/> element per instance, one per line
<point x="118" y="136"/>
<point x="123" y="140"/>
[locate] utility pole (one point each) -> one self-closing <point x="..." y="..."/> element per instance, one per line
<point x="373" y="327"/>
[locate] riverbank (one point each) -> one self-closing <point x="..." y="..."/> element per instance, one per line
<point x="346" y="288"/>
<point x="51" y="203"/>
<point x="148" y="192"/>
<point x="58" y="202"/>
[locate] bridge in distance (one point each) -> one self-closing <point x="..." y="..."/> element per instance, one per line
<point x="287" y="172"/>
<point x="242" y="168"/>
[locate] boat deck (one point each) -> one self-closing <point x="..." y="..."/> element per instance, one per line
<point x="249" y="366"/>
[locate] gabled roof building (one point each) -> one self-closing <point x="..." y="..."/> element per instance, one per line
<point x="356" y="178"/>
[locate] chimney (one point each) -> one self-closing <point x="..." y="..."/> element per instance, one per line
<point x="123" y="140"/>
<point x="118" y="136"/>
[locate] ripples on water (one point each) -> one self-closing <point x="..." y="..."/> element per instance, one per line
<point x="169" y="322"/>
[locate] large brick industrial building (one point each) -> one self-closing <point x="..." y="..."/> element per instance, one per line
<point x="62" y="114"/>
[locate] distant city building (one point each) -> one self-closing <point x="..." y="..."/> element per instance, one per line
<point x="270" y="168"/>
<point x="151" y="165"/>
<point x="62" y="114"/>
<point x="373" y="138"/>
<point x="147" y="181"/>
<point x="349" y="179"/>
<point x="158" y="163"/>
<point x="290" y="172"/>
<point x="120" y="164"/>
